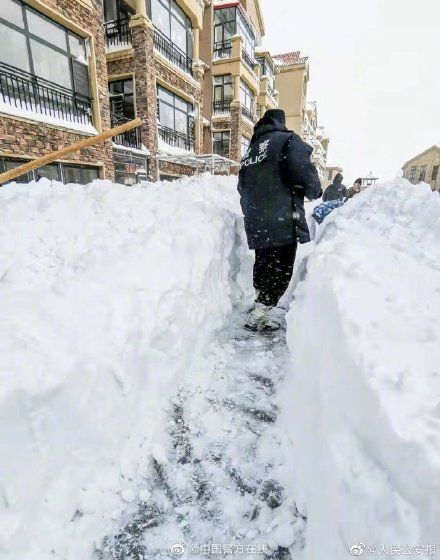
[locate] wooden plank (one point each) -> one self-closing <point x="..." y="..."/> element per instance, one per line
<point x="59" y="154"/>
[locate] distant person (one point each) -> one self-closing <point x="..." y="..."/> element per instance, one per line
<point x="335" y="191"/>
<point x="355" y="189"/>
<point x="276" y="174"/>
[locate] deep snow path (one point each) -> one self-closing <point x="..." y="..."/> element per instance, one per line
<point x="217" y="488"/>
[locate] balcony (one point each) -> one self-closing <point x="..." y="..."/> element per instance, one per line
<point x="223" y="106"/>
<point x="248" y="60"/>
<point x="223" y="49"/>
<point x="176" y="139"/>
<point x="117" y="34"/>
<point x="129" y="138"/>
<point x="248" y="113"/>
<point x="28" y="93"/>
<point x="172" y="53"/>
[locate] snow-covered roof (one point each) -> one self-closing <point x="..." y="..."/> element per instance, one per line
<point x="290" y="58"/>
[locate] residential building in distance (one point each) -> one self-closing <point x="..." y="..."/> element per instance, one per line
<point x="424" y="168"/>
<point x="329" y="176"/>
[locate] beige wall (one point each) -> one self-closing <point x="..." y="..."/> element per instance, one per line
<point x="253" y="10"/>
<point x="430" y="159"/>
<point x="290" y="85"/>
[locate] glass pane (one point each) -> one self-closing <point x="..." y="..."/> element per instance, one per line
<point x="50" y="64"/>
<point x="72" y="174"/>
<point x="12" y="11"/>
<point x="166" y="115"/>
<point x="11" y="164"/>
<point x="166" y="96"/>
<point x="48" y="171"/>
<point x="181" y="104"/>
<point x="178" y="13"/>
<point x="128" y="86"/>
<point x="229" y="30"/>
<point x="89" y="174"/>
<point x="160" y="17"/>
<point x="42" y="27"/>
<point x="13" y="48"/>
<point x="178" y="34"/>
<point x="229" y="91"/>
<point x="110" y="10"/>
<point x="78" y="48"/>
<point x="116" y="87"/>
<point x="181" y="122"/>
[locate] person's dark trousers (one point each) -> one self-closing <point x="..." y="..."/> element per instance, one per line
<point x="273" y="271"/>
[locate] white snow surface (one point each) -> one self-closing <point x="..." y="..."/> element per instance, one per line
<point x="103" y="291"/>
<point x="363" y="397"/>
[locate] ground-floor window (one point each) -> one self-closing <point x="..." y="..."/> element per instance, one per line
<point x="64" y="172"/>
<point x="164" y="177"/>
<point x="221" y="141"/>
<point x="130" y="168"/>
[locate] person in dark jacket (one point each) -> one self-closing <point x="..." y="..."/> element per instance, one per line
<point x="275" y="175"/>
<point x="335" y="191"/>
<point x="355" y="189"/>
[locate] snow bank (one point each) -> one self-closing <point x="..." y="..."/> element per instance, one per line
<point x="365" y="336"/>
<point x="103" y="290"/>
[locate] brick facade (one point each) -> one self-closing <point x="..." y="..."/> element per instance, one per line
<point x="29" y="138"/>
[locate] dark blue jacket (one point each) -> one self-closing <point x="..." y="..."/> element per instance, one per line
<point x="335" y="191"/>
<point x="275" y="175"/>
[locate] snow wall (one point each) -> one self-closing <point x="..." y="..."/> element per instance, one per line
<point x="363" y="397"/>
<point x="103" y="290"/>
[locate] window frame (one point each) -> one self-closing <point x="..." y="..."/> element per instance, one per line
<point x="28" y="35"/>
<point x="124" y="95"/>
<point x="249" y="94"/>
<point x="187" y="25"/>
<point x="221" y="86"/>
<point x="190" y="109"/>
<point x="225" y="139"/>
<point x="244" y="145"/>
<point x="33" y="175"/>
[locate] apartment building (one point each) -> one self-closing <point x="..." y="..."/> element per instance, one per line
<point x="194" y="71"/>
<point x="53" y="87"/>
<point x="424" y="168"/>
<point x="292" y="78"/>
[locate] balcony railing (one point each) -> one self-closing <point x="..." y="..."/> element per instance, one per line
<point x="223" y="49"/>
<point x="176" y="139"/>
<point x="129" y="138"/>
<point x="248" y="59"/>
<point x="248" y="113"/>
<point x="271" y="90"/>
<point x="117" y="33"/>
<point x="28" y="92"/>
<point x="172" y="52"/>
<point x="223" y="106"/>
<point x="221" y="149"/>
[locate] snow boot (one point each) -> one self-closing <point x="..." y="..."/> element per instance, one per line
<point x="257" y="317"/>
<point x="276" y="318"/>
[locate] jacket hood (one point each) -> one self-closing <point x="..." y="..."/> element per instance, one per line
<point x="274" y="119"/>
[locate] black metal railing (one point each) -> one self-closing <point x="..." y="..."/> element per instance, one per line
<point x="222" y="106"/>
<point x="172" y="52"/>
<point x="176" y="139"/>
<point x="221" y="148"/>
<point x="271" y="90"/>
<point x="223" y="49"/>
<point x="248" y="113"/>
<point x="129" y="138"/>
<point x="117" y="33"/>
<point x="248" y="59"/>
<point x="28" y="92"/>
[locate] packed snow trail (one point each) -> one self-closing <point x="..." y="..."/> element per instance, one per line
<point x="217" y="487"/>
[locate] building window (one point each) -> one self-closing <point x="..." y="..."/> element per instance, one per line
<point x="247" y="100"/>
<point x="227" y="23"/>
<point x="422" y="175"/>
<point x="413" y="173"/>
<point x="173" y="23"/>
<point x="221" y="141"/>
<point x="122" y="110"/>
<point x="117" y="10"/>
<point x="130" y="169"/>
<point x="223" y="93"/>
<point x="330" y="175"/>
<point x="43" y="66"/>
<point x="244" y="145"/>
<point x="176" y="119"/>
<point x="268" y="70"/>
<point x="434" y="173"/>
<point x="66" y="173"/>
